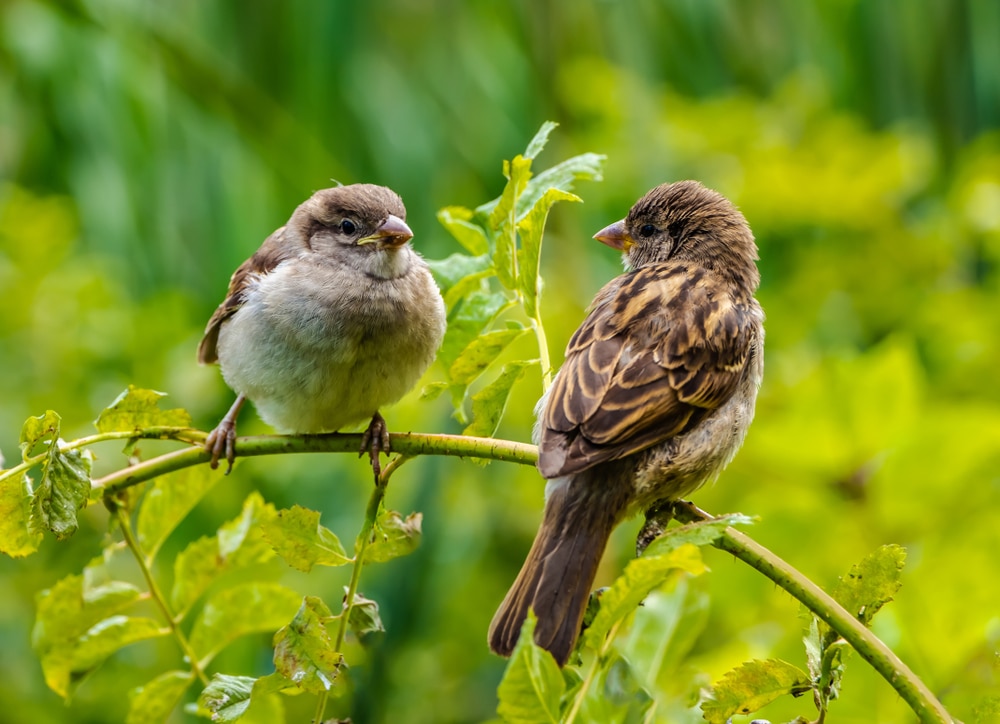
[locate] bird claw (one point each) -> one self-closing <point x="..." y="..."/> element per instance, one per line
<point x="375" y="440"/>
<point x="658" y="517"/>
<point x="222" y="441"/>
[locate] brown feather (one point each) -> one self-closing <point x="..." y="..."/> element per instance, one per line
<point x="660" y="344"/>
<point x="271" y="253"/>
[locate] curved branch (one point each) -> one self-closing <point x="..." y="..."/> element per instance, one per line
<point x="906" y="683"/>
<point x="405" y="443"/>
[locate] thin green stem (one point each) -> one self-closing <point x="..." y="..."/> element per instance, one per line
<point x="157" y="594"/>
<point x="906" y="683"/>
<point x="360" y="546"/>
<point x="591" y="674"/>
<point x="543" y="352"/>
<point x="183" y="434"/>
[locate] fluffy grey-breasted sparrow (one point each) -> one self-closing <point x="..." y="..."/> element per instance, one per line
<point x="654" y="398"/>
<point x="332" y="318"/>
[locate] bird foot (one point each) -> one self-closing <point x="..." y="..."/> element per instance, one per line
<point x="657" y="519"/>
<point x="222" y="440"/>
<point x="374" y="441"/>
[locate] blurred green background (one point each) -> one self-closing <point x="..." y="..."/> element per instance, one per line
<point x="146" y="149"/>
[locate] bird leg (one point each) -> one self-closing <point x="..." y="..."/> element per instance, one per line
<point x="657" y="519"/>
<point x="223" y="438"/>
<point x="374" y="441"/>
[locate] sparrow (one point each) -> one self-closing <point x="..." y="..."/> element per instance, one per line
<point x="653" y="400"/>
<point x="333" y="317"/>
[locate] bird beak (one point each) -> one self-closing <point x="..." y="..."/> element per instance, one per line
<point x="615" y="236"/>
<point x="392" y="233"/>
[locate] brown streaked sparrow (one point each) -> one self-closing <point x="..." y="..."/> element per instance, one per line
<point x="653" y="400"/>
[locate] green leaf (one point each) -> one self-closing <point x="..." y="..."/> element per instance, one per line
<point x="468" y="319"/>
<point x="106" y="637"/>
<point x="17" y="537"/>
<point x="303" y="650"/>
<point x="529" y="256"/>
<point x="433" y="390"/>
<point x="393" y="536"/>
<point x="266" y="707"/>
<point x="153" y="702"/>
<point x="480" y="354"/>
<point x="752" y="686"/>
<point x="639" y="578"/>
<point x="541" y="138"/>
<point x="459" y="275"/>
<point x="229" y="698"/>
<point x="238" y="611"/>
<point x="39" y="428"/>
<point x="238" y="543"/>
<point x="532" y="685"/>
<point x="63" y="490"/>
<point x="489" y="403"/>
<point x="168" y="502"/>
<point x="136" y="408"/>
<point x="663" y="632"/>
<point x="616" y="695"/>
<point x="826" y="655"/>
<point x="701" y="533"/>
<point x="297" y="536"/>
<point x="456" y="219"/>
<point x="64" y="615"/>
<point x="364" y="618"/>
<point x="504" y="221"/>
<point x="872" y="583"/>
<point x="562" y="176"/>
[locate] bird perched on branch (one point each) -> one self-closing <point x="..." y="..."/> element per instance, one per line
<point x="653" y="400"/>
<point x="333" y="317"/>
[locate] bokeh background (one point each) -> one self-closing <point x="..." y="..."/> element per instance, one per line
<point x="146" y="149"/>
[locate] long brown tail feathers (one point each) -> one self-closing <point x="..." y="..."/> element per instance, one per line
<point x="556" y="578"/>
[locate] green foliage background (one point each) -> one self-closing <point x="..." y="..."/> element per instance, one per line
<point x="147" y="148"/>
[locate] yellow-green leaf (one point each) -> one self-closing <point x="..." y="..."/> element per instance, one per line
<point x="752" y="686"/>
<point x="303" y="650"/>
<point x="489" y="403"/>
<point x="481" y="352"/>
<point x="153" y="702"/>
<point x="168" y="502"/>
<point x="38" y="428"/>
<point x="17" y="537"/>
<point x="639" y="578"/>
<point x="234" y="612"/>
<point x="136" y="408"/>
<point x="872" y="583"/>
<point x="393" y="536"/>
<point x="296" y="536"/>
<point x="532" y="685"/>
<point x="529" y="255"/>
<point x="456" y="220"/>
<point x="238" y="543"/>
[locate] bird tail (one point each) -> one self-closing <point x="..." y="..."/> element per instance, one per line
<point x="558" y="574"/>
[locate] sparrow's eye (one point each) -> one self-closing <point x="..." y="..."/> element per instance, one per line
<point x="647" y="230"/>
<point x="348" y="226"/>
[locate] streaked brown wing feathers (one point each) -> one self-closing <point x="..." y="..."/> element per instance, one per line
<point x="271" y="253"/>
<point x="660" y="348"/>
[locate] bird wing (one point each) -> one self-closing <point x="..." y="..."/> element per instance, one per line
<point x="661" y="347"/>
<point x="271" y="253"/>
